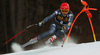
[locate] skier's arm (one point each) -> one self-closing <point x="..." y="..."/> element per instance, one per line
<point x="70" y="20"/>
<point x="50" y="17"/>
<point x="47" y="18"/>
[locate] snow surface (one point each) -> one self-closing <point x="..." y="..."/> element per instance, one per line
<point x="16" y="47"/>
<point x="92" y="48"/>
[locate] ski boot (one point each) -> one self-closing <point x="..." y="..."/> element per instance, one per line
<point x="50" y="40"/>
<point x="32" y="41"/>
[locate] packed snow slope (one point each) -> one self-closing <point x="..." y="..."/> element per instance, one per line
<point x="92" y="48"/>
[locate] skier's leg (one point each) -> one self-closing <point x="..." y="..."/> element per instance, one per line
<point x="51" y="31"/>
<point x="51" y="39"/>
<point x="59" y="32"/>
<point x="32" y="41"/>
<point x="54" y="37"/>
<point x="39" y="37"/>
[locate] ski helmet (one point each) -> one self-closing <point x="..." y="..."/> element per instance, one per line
<point x="64" y="6"/>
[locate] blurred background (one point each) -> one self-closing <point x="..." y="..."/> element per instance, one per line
<point x="16" y="15"/>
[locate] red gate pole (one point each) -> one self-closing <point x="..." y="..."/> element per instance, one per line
<point x="92" y="30"/>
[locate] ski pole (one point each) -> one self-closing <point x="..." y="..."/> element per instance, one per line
<point x="63" y="40"/>
<point x="19" y="33"/>
<point x="92" y="30"/>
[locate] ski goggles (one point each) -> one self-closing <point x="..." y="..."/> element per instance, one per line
<point x="64" y="10"/>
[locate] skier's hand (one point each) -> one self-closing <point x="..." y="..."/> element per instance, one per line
<point x="63" y="28"/>
<point x="41" y="23"/>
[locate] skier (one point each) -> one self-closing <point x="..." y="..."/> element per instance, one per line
<point x="63" y="18"/>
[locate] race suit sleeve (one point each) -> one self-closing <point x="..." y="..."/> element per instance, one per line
<point x="70" y="20"/>
<point x="50" y="16"/>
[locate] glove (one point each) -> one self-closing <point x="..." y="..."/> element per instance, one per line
<point x="41" y="23"/>
<point x="63" y="28"/>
